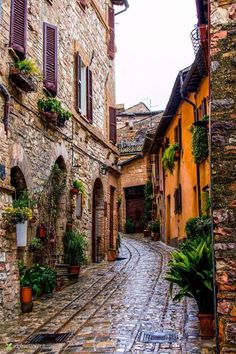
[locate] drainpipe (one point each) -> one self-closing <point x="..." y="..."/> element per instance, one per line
<point x="125" y="9"/>
<point x="197" y="165"/>
<point x="7" y="96"/>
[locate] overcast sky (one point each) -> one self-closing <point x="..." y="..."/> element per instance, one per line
<point x="153" y="44"/>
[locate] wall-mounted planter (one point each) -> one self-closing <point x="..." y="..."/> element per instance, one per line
<point x="23" y="82"/>
<point x="21" y="234"/>
<point x="50" y="117"/>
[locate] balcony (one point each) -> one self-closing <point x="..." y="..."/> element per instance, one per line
<point x="195" y="37"/>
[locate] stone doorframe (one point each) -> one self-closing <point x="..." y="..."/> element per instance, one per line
<point x="98" y="223"/>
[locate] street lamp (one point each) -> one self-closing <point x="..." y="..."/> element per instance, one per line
<point x="103" y="170"/>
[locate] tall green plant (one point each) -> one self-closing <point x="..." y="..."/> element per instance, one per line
<point x="168" y="158"/>
<point x="199" y="143"/>
<point x="147" y="203"/>
<point x="198" y="227"/>
<point x="75" y="245"/>
<point x="191" y="270"/>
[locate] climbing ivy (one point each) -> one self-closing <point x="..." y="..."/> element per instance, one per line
<point x="147" y="203"/>
<point x="200" y="142"/>
<point x="168" y="158"/>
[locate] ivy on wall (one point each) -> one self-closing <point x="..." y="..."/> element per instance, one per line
<point x="200" y="141"/>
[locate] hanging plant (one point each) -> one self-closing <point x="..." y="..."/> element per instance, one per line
<point x="168" y="158"/>
<point x="199" y="143"/>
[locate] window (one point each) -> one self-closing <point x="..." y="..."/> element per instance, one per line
<point x="111" y="43"/>
<point x="112" y="124"/>
<point x="178" y="200"/>
<point x="84" y="89"/>
<point x="178" y="134"/>
<point x="50" y="58"/>
<point x="18" y="30"/>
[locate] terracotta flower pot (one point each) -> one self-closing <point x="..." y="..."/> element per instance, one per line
<point x="146" y="233"/>
<point x="111" y="255"/>
<point x="74" y="191"/>
<point x="42" y="231"/>
<point x="155" y="236"/>
<point x="206" y="325"/>
<point x="74" y="270"/>
<point x="26" y="295"/>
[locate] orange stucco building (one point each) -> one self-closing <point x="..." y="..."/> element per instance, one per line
<point x="183" y="193"/>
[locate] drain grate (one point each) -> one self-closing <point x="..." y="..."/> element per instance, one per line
<point x="120" y="258"/>
<point x="158" y="337"/>
<point x="49" y="338"/>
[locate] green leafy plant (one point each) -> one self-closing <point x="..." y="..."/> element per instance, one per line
<point x="75" y="245"/>
<point x="129" y="226"/>
<point x="27" y="67"/>
<point x="49" y="279"/>
<point x="147" y="203"/>
<point x="118" y="241"/>
<point x="16" y="215"/>
<point x="199" y="143"/>
<point x="64" y="114"/>
<point x="191" y="270"/>
<point x="168" y="158"/>
<point x="79" y="186"/>
<point x="36" y="245"/>
<point x="49" y="104"/>
<point x="198" y="227"/>
<point x="154" y="226"/>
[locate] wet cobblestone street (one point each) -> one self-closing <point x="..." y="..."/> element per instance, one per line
<point x="109" y="308"/>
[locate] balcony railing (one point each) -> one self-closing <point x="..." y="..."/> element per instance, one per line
<point x="195" y="37"/>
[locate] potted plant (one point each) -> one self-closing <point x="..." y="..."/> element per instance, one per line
<point x="24" y="74"/>
<point x="146" y="232"/>
<point x="42" y="231"/>
<point x="63" y="116"/>
<point x="49" y="279"/>
<point x="25" y="285"/>
<point x="154" y="226"/>
<point x="191" y="270"/>
<point x="49" y="108"/>
<point x="75" y="245"/>
<point x="18" y="216"/>
<point x="111" y="254"/>
<point x="129" y="226"/>
<point x="36" y="245"/>
<point x="78" y="187"/>
<point x="168" y="158"/>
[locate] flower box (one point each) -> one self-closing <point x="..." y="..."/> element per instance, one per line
<point x="22" y="81"/>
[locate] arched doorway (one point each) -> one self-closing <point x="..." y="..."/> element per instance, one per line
<point x="18" y="182"/>
<point x="98" y="237"/>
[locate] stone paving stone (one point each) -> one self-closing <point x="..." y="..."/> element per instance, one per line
<point x="110" y="305"/>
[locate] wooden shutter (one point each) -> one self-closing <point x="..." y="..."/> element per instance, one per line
<point x="179" y="199"/>
<point x="83" y="3"/>
<point x="196" y="115"/>
<point x="204" y="107"/>
<point x="78" y="83"/>
<point x="89" y="95"/>
<point x="18" y="31"/>
<point x="112" y="124"/>
<point x="111" y="43"/>
<point x="176" y="135"/>
<point x="180" y="134"/>
<point x="50" y="58"/>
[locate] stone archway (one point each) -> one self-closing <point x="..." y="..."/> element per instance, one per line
<point x="18" y="182"/>
<point x="98" y="225"/>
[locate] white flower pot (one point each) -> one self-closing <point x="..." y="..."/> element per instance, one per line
<point x="21" y="234"/>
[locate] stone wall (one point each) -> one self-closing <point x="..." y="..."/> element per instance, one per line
<point x="223" y="139"/>
<point x="34" y="146"/>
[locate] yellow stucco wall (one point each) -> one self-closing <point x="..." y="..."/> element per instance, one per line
<point x="185" y="172"/>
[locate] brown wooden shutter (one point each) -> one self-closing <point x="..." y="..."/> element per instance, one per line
<point x="78" y="83"/>
<point x="89" y="95"/>
<point x="176" y="135"/>
<point x="196" y="115"/>
<point x="83" y="3"/>
<point x="111" y="44"/>
<point x="204" y="107"/>
<point x="176" y="196"/>
<point x="18" y="30"/>
<point x="112" y="124"/>
<point x="179" y="199"/>
<point x="50" y="58"/>
<point x="180" y="134"/>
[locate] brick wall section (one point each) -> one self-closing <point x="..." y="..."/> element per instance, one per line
<point x="223" y="138"/>
<point x="34" y="147"/>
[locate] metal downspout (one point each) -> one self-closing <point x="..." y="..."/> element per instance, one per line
<point x="197" y="165"/>
<point x="6" y="107"/>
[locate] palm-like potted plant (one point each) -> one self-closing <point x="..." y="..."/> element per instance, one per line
<point x="191" y="270"/>
<point x="154" y="226"/>
<point x="24" y="74"/>
<point x="75" y="245"/>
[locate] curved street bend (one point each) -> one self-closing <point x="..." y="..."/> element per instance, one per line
<point x="113" y="308"/>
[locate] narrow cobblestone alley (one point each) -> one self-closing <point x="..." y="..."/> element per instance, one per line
<point x="110" y="307"/>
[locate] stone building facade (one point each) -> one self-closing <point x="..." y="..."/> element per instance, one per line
<point x="223" y="145"/>
<point x="134" y="126"/>
<point x="84" y="149"/>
